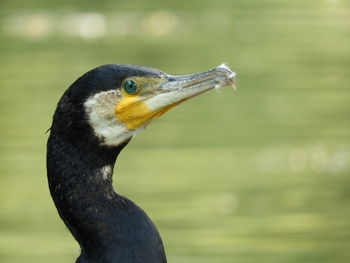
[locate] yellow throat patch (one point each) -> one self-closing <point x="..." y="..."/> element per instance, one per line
<point x="132" y="111"/>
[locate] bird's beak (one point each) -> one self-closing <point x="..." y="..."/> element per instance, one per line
<point x="169" y="92"/>
<point x="177" y="89"/>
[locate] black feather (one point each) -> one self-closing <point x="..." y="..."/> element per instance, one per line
<point x="109" y="227"/>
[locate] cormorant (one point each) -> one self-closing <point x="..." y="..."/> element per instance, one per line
<point x="94" y="120"/>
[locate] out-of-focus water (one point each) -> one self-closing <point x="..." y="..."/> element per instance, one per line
<point x="257" y="175"/>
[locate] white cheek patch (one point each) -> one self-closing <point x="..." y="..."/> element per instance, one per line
<point x="100" y="112"/>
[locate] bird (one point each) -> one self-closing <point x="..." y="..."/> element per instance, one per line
<point x="94" y="120"/>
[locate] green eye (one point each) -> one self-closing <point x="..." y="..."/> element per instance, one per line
<point x="130" y="86"/>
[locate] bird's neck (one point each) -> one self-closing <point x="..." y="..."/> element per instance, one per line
<point x="80" y="181"/>
<point x="109" y="227"/>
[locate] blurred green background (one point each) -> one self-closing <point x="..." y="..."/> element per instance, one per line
<point x="257" y="175"/>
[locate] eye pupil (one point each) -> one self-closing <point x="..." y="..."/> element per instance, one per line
<point x="130" y="86"/>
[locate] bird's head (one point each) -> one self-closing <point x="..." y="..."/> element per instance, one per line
<point x="115" y="102"/>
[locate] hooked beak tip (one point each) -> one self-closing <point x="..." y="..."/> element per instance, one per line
<point x="231" y="75"/>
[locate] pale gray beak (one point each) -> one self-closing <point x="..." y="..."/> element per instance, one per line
<point x="180" y="88"/>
